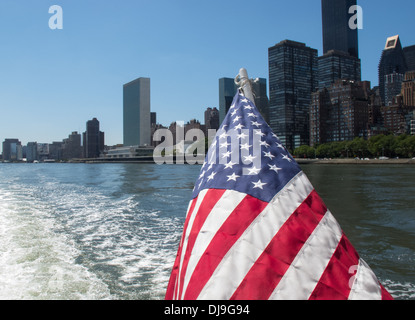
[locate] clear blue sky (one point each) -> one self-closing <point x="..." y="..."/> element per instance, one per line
<point x="53" y="81"/>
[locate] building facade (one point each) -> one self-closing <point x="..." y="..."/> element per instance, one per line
<point x="136" y="113"/>
<point x="227" y="90"/>
<point x="31" y="152"/>
<point x="337" y="35"/>
<point x="340" y="112"/>
<point x="12" y="150"/>
<point x="408" y="89"/>
<point x="392" y="68"/>
<point x="409" y="53"/>
<point x="93" y="139"/>
<point x="336" y="65"/>
<point x="293" y="77"/>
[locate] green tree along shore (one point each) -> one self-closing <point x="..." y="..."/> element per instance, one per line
<point x="402" y="146"/>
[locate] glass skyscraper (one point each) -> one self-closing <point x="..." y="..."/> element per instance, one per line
<point x="337" y="35"/>
<point x="293" y="76"/>
<point x="392" y="68"/>
<point x="136" y="105"/>
<point x="335" y="65"/>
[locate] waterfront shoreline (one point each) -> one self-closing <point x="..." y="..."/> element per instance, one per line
<point x="355" y="161"/>
<point x="150" y="160"/>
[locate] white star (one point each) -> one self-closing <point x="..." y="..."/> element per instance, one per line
<point x="223" y="135"/>
<point x="264" y="143"/>
<point x="245" y="146"/>
<point x="232" y="106"/>
<point x="230" y="164"/>
<point x="248" y="107"/>
<point x="274" y="167"/>
<point x="275" y="136"/>
<point x="233" y="177"/>
<point x="234" y="112"/>
<point x="253" y="170"/>
<point x="224" y="145"/>
<point x="269" y="155"/>
<point x="244" y="100"/>
<point x="285" y="157"/>
<point x="226" y="154"/>
<point x="239" y="126"/>
<point x="249" y="158"/>
<point x="210" y="167"/>
<point x="259" y="132"/>
<point x="255" y="123"/>
<point x="242" y="136"/>
<point x="251" y="115"/>
<point x="212" y="176"/>
<point x="279" y="145"/>
<point x="259" y="184"/>
<point x="202" y="174"/>
<point x="236" y="118"/>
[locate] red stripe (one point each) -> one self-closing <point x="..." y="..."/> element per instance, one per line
<point x="268" y="270"/>
<point x="173" y="276"/>
<point x="337" y="279"/>
<point x="385" y="294"/>
<point x="209" y="201"/>
<point x="242" y="216"/>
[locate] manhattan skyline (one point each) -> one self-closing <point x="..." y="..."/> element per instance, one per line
<point x="53" y="81"/>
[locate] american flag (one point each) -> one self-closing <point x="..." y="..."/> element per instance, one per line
<point x="256" y="229"/>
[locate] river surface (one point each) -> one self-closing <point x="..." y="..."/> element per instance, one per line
<point x="111" y="231"/>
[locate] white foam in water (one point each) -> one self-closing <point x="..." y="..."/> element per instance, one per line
<point x="61" y="242"/>
<point x="36" y="263"/>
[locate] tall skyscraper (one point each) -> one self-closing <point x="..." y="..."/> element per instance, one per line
<point x="227" y="90"/>
<point x="392" y="68"/>
<point x="336" y="65"/>
<point x="337" y="34"/>
<point x="136" y="108"/>
<point x="293" y="76"/>
<point x="409" y="53"/>
<point x="93" y="139"/>
<point x="12" y="150"/>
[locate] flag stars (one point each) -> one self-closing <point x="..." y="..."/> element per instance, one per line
<point x="245" y="146"/>
<point x="242" y="136"/>
<point x="259" y="132"/>
<point x="226" y="154"/>
<point x="274" y="168"/>
<point x="256" y="123"/>
<point x="259" y="184"/>
<point x="268" y="155"/>
<point x="249" y="158"/>
<point x="212" y="176"/>
<point x="264" y="144"/>
<point x="233" y="177"/>
<point x="251" y="115"/>
<point x="239" y="126"/>
<point x="254" y="170"/>
<point x="236" y="119"/>
<point x="285" y="157"/>
<point x="229" y="165"/>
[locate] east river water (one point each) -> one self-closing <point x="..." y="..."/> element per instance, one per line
<point x="111" y="231"/>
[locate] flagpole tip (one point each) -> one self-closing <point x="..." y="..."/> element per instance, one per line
<point x="244" y="84"/>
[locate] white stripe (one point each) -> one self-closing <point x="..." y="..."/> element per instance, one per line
<point x="365" y="286"/>
<point x="305" y="271"/>
<point x="199" y="200"/>
<point x="247" y="249"/>
<point x="218" y="215"/>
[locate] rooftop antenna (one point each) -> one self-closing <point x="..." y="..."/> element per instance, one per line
<point x="244" y="84"/>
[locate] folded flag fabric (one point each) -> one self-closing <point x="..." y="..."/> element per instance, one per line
<point x="256" y="229"/>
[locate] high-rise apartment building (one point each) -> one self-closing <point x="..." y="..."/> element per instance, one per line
<point x="337" y="34"/>
<point x="227" y="90"/>
<point x="136" y="112"/>
<point x="31" y="152"/>
<point x="340" y="112"/>
<point x="335" y="65"/>
<point x="409" y="53"/>
<point x="408" y="89"/>
<point x="12" y="150"/>
<point x="93" y="139"/>
<point x="392" y="68"/>
<point x="293" y="76"/>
